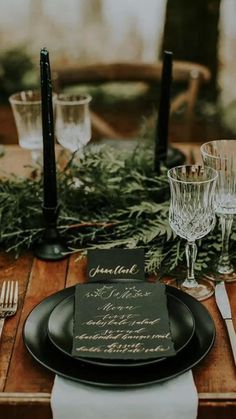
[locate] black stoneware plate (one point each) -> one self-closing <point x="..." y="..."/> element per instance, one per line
<point x="60" y="330"/>
<point x="40" y="347"/>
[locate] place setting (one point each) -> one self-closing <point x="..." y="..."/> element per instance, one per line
<point x="191" y="216"/>
<point x="122" y="328"/>
<point x="67" y="334"/>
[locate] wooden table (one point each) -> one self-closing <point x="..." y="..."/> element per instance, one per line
<point x="26" y="386"/>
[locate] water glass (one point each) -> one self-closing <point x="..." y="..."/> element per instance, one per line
<point x="221" y="155"/>
<point x="73" y="123"/>
<point x="192" y="216"/>
<point x="26" y="107"/>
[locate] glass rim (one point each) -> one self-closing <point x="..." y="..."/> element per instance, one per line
<point x="13" y="98"/>
<point x="72" y="99"/>
<point x="213" y="178"/>
<point x="211" y="142"/>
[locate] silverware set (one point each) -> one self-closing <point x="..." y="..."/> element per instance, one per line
<point x="8" y="301"/>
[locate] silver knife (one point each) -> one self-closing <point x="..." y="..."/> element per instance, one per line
<point x="222" y="302"/>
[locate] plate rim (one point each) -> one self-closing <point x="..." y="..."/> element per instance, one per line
<point x="123" y="383"/>
<point x="104" y="361"/>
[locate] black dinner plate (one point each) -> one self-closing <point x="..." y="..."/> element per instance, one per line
<point x="40" y="347"/>
<point x="60" y="330"/>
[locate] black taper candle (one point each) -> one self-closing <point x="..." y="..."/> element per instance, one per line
<point x="161" y="131"/>
<point x="51" y="247"/>
<point x="49" y="161"/>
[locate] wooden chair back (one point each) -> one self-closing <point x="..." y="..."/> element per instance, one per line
<point x="191" y="75"/>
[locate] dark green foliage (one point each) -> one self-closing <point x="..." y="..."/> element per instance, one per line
<point x="15" y="65"/>
<point x="120" y="203"/>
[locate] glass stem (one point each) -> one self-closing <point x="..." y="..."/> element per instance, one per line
<point x="191" y="254"/>
<point x="224" y="266"/>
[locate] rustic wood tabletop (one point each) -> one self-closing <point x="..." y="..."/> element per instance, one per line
<point x="25" y="386"/>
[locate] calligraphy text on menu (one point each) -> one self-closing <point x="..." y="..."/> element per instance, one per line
<point x="121" y="321"/>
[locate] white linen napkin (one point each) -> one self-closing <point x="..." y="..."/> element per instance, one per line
<point x="173" y="399"/>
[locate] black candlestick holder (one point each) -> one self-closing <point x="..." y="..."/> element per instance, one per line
<point x="52" y="247"/>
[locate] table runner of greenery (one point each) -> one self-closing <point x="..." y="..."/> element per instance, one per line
<point x="120" y="202"/>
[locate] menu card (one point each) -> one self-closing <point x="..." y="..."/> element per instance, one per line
<point x="121" y="321"/>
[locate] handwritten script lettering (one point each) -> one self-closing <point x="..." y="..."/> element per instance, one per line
<point x="118" y="270"/>
<point x="119" y="348"/>
<point x="106" y="292"/>
<point x="122" y="321"/>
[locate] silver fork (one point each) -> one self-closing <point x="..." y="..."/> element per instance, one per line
<point x="8" y="301"/>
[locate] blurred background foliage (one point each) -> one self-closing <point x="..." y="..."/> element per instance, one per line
<point x="17" y="71"/>
<point x="80" y="32"/>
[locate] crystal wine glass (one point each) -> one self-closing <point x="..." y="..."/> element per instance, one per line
<point x="221" y="155"/>
<point x="192" y="216"/>
<point x="26" y="108"/>
<point x="73" y="123"/>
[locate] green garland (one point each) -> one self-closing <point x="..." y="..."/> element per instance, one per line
<point x="120" y="202"/>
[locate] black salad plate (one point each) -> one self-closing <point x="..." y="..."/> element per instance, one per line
<point x="60" y="330"/>
<point x="43" y="351"/>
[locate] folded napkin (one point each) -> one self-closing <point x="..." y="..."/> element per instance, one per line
<point x="173" y="399"/>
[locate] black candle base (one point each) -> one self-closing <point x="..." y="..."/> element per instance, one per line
<point x="51" y="247"/>
<point x="50" y="251"/>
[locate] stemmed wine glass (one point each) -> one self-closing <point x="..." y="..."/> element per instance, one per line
<point x="26" y="108"/>
<point x="192" y="216"/>
<point x="221" y="155"/>
<point x="73" y="123"/>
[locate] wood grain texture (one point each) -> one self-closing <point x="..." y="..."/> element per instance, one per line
<point x="217" y="373"/>
<point x="149" y="72"/>
<point x="191" y="75"/>
<point x="12" y="269"/>
<point x="76" y="270"/>
<point x="25" y="386"/>
<point x="24" y="374"/>
<point x="214" y="377"/>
